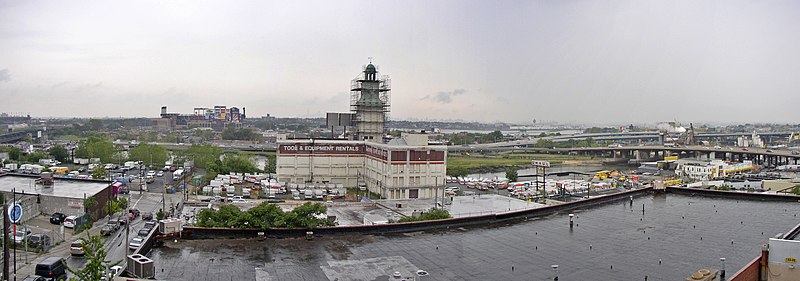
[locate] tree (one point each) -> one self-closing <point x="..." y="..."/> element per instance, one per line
<point x="203" y="154"/>
<point x="233" y="163"/>
<point x="89" y="204"/>
<point x="511" y="174"/>
<point x="95" y="125"/>
<point x="150" y="154"/>
<point x="493" y="137"/>
<point x="796" y="189"/>
<point x="231" y="133"/>
<point x="432" y="214"/>
<point x="96" y="147"/>
<point x="271" y="164"/>
<point x="307" y="215"/>
<point x="457" y="171"/>
<point x="265" y="215"/>
<point x="99" y="172"/>
<point x="34" y="157"/>
<point x="95" y="256"/>
<point x="13" y="152"/>
<point x="205" y="135"/>
<point x="59" y="153"/>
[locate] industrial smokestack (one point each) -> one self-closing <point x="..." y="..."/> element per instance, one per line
<point x="244" y="113"/>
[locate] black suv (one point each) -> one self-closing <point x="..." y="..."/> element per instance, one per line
<point x="107" y="230"/>
<point x="57" y="218"/>
<point x="52" y="268"/>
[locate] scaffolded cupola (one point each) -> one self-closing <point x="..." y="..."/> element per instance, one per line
<point x="369" y="101"/>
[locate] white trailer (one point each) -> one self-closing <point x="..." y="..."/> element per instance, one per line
<point x="11" y="166"/>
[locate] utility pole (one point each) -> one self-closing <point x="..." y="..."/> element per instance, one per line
<point x="164" y="200"/>
<point x="6" y="222"/>
<point x="14" y="190"/>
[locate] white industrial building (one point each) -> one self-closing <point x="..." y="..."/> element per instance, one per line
<point x="405" y="168"/>
<point x="707" y="170"/>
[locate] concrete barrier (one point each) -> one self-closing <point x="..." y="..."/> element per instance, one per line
<point x="734" y="194"/>
<point x="209" y="232"/>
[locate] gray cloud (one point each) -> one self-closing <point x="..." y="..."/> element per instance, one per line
<point x="5" y="75"/>
<point x="445" y="97"/>
<point x="575" y="60"/>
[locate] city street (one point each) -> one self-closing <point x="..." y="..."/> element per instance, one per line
<point x="116" y="244"/>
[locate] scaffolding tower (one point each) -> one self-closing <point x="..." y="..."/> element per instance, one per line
<point x="370" y="100"/>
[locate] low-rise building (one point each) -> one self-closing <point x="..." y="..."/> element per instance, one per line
<point x="404" y="168"/>
<point x="66" y="196"/>
<point x="707" y="170"/>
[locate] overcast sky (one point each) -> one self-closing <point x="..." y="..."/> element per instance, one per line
<point x="514" y="61"/>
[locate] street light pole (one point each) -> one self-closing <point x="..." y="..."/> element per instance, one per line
<point x="14" y="190"/>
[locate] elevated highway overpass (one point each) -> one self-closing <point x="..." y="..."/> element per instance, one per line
<point x="770" y="157"/>
<point x="624" y="136"/>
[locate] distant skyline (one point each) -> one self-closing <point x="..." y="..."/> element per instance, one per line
<point x="592" y="62"/>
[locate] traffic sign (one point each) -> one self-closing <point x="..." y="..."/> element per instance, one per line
<point x="15" y="213"/>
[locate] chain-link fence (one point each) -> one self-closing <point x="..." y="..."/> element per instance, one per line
<point x="39" y="241"/>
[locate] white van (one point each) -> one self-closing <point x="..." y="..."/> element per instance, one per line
<point x="69" y="222"/>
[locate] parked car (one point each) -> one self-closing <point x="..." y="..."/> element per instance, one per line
<point x="76" y="248"/>
<point x="135" y="243"/>
<point x="133" y="213"/>
<point x="70" y="221"/>
<point x="144" y="232"/>
<point x="151" y="173"/>
<point x="53" y="268"/>
<point x="21" y="235"/>
<point x="39" y="240"/>
<point x="57" y="218"/>
<point x="160" y="174"/>
<point x="149" y="225"/>
<point x="114" y="224"/>
<point x="106" y="230"/>
<point x="147" y="216"/>
<point x="122" y="219"/>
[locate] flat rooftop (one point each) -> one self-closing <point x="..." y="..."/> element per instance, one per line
<point x="60" y="188"/>
<point x="609" y="242"/>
